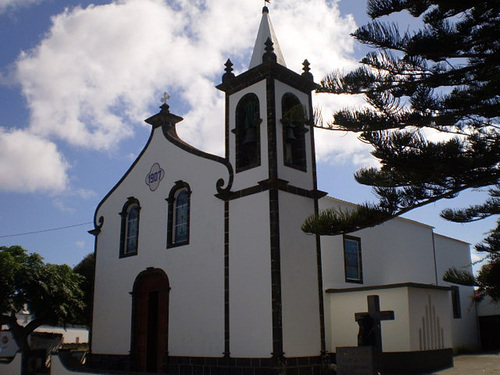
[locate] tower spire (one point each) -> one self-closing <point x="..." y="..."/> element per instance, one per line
<point x="265" y="32"/>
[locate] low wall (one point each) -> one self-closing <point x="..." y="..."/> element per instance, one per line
<point x="11" y="368"/>
<point x="57" y="368"/>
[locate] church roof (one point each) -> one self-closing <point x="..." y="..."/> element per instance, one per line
<point x="265" y="31"/>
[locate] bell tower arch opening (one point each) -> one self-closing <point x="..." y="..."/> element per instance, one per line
<point x="294" y="117"/>
<point x="247" y="131"/>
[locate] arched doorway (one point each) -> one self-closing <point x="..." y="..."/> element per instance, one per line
<point x="150" y="297"/>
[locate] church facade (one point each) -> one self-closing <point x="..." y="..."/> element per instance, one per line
<point x="201" y="265"/>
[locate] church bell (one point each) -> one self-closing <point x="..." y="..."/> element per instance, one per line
<point x="250" y="136"/>
<point x="290" y="134"/>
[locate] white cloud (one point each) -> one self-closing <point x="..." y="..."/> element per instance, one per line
<point x="29" y="163"/>
<point x="337" y="147"/>
<point x="95" y="75"/>
<point x="15" y="4"/>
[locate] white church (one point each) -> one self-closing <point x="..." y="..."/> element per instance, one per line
<point x="202" y="267"/>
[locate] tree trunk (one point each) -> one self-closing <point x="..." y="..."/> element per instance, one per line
<point x="26" y="365"/>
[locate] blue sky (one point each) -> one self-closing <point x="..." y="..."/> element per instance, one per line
<point x="78" y="78"/>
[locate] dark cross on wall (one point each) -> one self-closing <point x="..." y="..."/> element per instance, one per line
<point x="370" y="333"/>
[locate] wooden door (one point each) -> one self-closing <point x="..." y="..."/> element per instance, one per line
<point x="150" y="321"/>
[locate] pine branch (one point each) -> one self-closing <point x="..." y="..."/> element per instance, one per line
<point x="461" y="277"/>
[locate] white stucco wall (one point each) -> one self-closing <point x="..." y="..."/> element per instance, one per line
<point x="488" y="307"/>
<point x="344" y="329"/>
<point x="13" y="367"/>
<point x="250" y="277"/>
<point x="454" y="253"/>
<point x="299" y="279"/>
<point x="397" y="251"/>
<point x="419" y="311"/>
<point x="195" y="271"/>
<point x="431" y="319"/>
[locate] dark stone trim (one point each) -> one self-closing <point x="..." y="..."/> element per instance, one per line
<point x="179" y="185"/>
<point x="271" y="129"/>
<point x="99" y="363"/>
<point x="389" y="286"/>
<point x="171" y="134"/>
<point x="91" y="322"/>
<point x="97" y="222"/>
<point x="167" y="121"/>
<point x="97" y="226"/>
<point x="243" y="366"/>
<point x="212" y="365"/>
<point x="123" y="232"/>
<point x="276" y="301"/>
<point x="268" y="69"/>
<point x="275" y="183"/>
<point x="227" y="325"/>
<point x="317" y="195"/>
<point x="416" y="362"/>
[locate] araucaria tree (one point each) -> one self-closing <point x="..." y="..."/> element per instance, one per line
<point x="51" y="293"/>
<point x="432" y="117"/>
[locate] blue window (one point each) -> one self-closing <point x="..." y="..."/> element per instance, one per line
<point x="129" y="239"/>
<point x="179" y="202"/>
<point x="181" y="222"/>
<point x="352" y="260"/>
<point x="132" y="230"/>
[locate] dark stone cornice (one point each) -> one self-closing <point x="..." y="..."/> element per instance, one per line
<point x="272" y="184"/>
<point x="170" y="134"/>
<point x="164" y="118"/>
<point x="389" y="286"/>
<point x="268" y="69"/>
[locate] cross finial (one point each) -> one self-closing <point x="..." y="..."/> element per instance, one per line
<point x="266" y="9"/>
<point x="165" y="97"/>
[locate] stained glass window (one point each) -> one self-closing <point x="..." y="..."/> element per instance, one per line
<point x="132" y="230"/>
<point x="352" y="259"/>
<point x="129" y="238"/>
<point x="181" y="221"/>
<point x="179" y="202"/>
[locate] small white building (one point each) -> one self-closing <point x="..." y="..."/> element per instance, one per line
<point x="43" y="337"/>
<point x="201" y="262"/>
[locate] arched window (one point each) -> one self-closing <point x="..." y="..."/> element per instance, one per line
<point x="293" y="120"/>
<point x="178" y="215"/>
<point x="129" y="239"/>
<point x="247" y="133"/>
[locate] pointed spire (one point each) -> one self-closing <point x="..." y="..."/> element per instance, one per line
<point x="265" y="32"/>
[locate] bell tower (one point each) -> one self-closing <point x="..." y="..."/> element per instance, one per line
<point x="274" y="303"/>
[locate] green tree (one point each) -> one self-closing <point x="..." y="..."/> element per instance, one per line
<point x="443" y="78"/>
<point x="86" y="268"/>
<point x="51" y="292"/>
